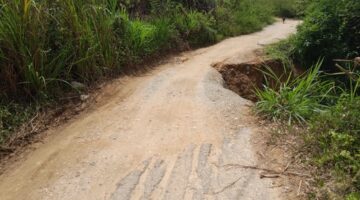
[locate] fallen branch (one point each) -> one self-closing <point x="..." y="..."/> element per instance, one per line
<point x="287" y="166"/>
<point x="23" y="131"/>
<point x="269" y="176"/>
<point x="286" y="173"/>
<point x="299" y="188"/>
<point x="6" y="149"/>
<point x="342" y="60"/>
<point x="226" y="187"/>
<point x="349" y="73"/>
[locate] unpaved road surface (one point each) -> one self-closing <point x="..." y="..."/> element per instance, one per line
<point x="174" y="133"/>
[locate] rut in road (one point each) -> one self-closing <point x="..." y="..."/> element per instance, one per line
<point x="165" y="135"/>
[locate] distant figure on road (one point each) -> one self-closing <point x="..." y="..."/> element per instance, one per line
<point x="283" y="20"/>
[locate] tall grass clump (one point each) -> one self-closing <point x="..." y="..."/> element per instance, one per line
<point x="200" y="28"/>
<point x="23" y="46"/>
<point x="45" y="44"/>
<point x="294" y="100"/>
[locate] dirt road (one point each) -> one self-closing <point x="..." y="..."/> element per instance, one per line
<point x="174" y="133"/>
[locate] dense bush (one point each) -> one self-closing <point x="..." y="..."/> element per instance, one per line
<point x="331" y="29"/>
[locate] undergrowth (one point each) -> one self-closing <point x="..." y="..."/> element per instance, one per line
<point x="11" y="116"/>
<point x="327" y="104"/>
<point x="334" y="140"/>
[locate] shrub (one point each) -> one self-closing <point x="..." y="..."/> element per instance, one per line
<point x="140" y="38"/>
<point x="331" y="30"/>
<point x="166" y="33"/>
<point x="241" y="17"/>
<point x="200" y="28"/>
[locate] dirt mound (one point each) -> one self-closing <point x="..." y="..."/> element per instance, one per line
<point x="244" y="78"/>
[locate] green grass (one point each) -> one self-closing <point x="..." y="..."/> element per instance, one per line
<point x="282" y="51"/>
<point x="294" y="100"/>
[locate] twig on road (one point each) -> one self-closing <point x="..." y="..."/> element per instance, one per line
<point x="287" y="173"/>
<point x="299" y="189"/>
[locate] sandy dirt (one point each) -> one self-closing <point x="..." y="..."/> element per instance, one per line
<point x="173" y="133"/>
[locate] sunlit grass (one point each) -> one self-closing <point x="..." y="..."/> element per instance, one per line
<point x="294" y="100"/>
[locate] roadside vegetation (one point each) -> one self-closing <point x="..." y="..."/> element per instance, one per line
<point x="325" y="99"/>
<point x="51" y="50"/>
